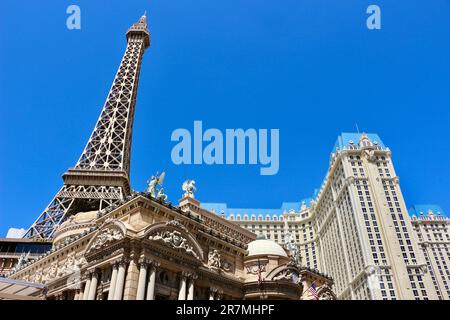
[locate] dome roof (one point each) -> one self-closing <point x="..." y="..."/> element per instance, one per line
<point x="74" y="225"/>
<point x="80" y="217"/>
<point x="265" y="247"/>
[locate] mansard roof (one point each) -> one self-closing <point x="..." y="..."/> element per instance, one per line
<point x="424" y="210"/>
<point x="345" y="139"/>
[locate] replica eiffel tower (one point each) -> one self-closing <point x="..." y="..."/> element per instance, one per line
<point x="100" y="178"/>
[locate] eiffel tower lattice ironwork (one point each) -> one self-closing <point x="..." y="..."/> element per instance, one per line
<point x="101" y="176"/>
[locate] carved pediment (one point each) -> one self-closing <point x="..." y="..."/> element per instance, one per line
<point x="109" y="233"/>
<point x="176" y="236"/>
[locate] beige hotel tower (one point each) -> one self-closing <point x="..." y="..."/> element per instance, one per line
<point x="356" y="229"/>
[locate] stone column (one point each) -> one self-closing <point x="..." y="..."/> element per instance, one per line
<point x="140" y="295"/>
<point x="118" y="290"/>
<point x="93" y="287"/>
<point x="131" y="280"/>
<point x="112" y="282"/>
<point x="77" y="294"/>
<point x="152" y="281"/>
<point x="190" y="295"/>
<point x="212" y="293"/>
<point x="86" y="287"/>
<point x="182" y="291"/>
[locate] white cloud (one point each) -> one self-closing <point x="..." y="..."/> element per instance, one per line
<point x="15" y="233"/>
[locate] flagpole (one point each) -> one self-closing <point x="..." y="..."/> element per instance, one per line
<point x="310" y="288"/>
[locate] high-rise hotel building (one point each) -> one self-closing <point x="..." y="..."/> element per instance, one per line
<point x="356" y="228"/>
<point x="433" y="232"/>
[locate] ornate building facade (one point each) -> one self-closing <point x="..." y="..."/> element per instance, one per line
<point x="110" y="243"/>
<point x="147" y="249"/>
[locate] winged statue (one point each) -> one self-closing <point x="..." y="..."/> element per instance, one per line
<point x="154" y="182"/>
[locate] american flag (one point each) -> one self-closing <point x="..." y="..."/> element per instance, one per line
<point x="312" y="289"/>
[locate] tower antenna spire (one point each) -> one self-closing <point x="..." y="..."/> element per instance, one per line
<point x="357" y="128"/>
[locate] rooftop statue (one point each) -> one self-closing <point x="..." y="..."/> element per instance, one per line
<point x="189" y="188"/>
<point x="161" y="195"/>
<point x="153" y="183"/>
<point x="293" y="249"/>
<point x="21" y="261"/>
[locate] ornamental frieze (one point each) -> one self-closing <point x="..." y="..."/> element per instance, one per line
<point x="176" y="224"/>
<point x="71" y="265"/>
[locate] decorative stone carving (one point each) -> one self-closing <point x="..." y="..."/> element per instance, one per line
<point x="105" y="237"/>
<point x="326" y="296"/>
<point x="216" y="263"/>
<point x="350" y="180"/>
<point x="51" y="273"/>
<point x="370" y="155"/>
<point x="227" y="266"/>
<point x="424" y="268"/>
<point x="189" y="275"/>
<point x="214" y="260"/>
<point x="325" y="293"/>
<point x="72" y="264"/>
<point x="176" y="224"/>
<point x="372" y="270"/>
<point x="175" y="240"/>
<point x="255" y="268"/>
<point x="37" y="277"/>
<point x="288" y="275"/>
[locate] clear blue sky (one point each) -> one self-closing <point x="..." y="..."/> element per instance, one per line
<point x="310" y="68"/>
